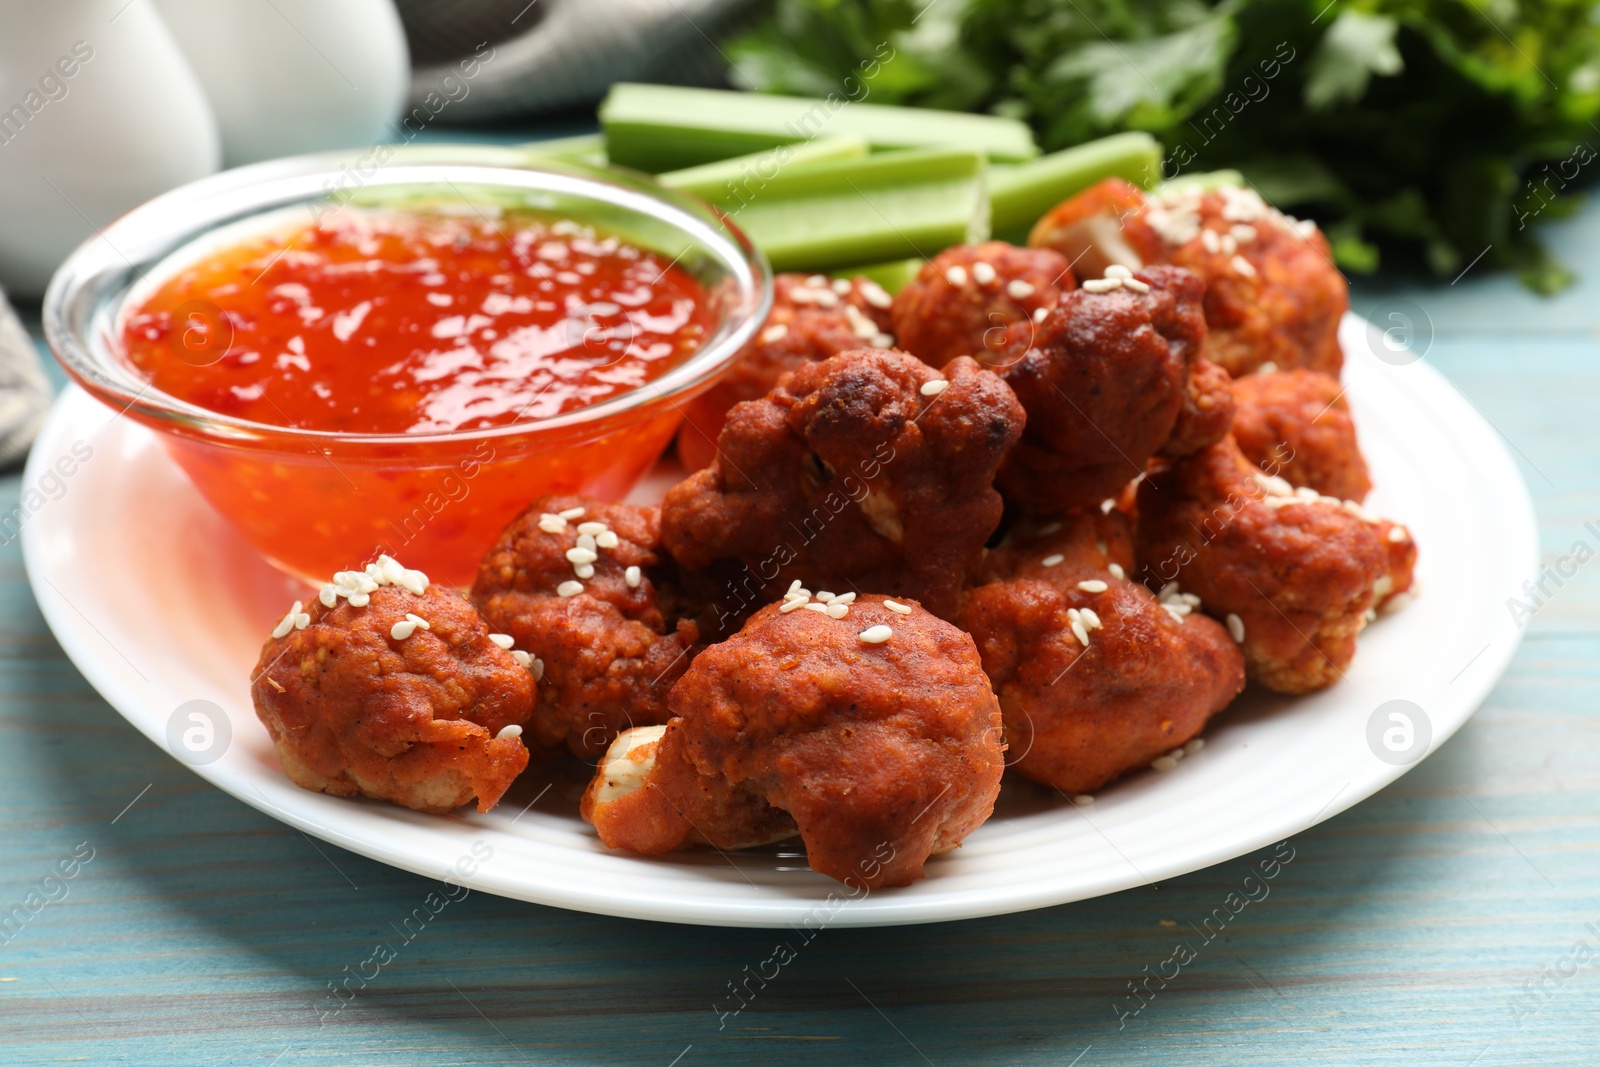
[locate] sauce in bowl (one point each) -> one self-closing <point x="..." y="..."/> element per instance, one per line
<point x="405" y="322"/>
<point x="412" y="355"/>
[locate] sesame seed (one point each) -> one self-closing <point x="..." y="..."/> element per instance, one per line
<point x="1052" y="561"/>
<point x="793" y="604"/>
<point x="505" y="641"/>
<point x="607" y="539"/>
<point x="1229" y="245"/>
<point x="329" y="594"/>
<point x="860" y="324"/>
<point x="1040" y="313"/>
<point x="571" y="513"/>
<point x="815" y="605"/>
<point x="934" y="388"/>
<point x="881" y="340"/>
<point x="584" y="571"/>
<point x="1176" y="754"/>
<point x="1093" y="585"/>
<point x="1107" y="505"/>
<point x="402" y="629"/>
<point x="1049" y="528"/>
<point x="358" y="600"/>
<point x="524" y="658"/>
<point x="1080" y="631"/>
<point x="845" y="598"/>
<point x="1177" y="616"/>
<point x="569" y="588"/>
<point x="1235" y="628"/>
<point x="508" y="732"/>
<point x="956" y="275"/>
<point x="1164" y="764"/>
<point x="418" y="620"/>
<point x="1017" y="289"/>
<point x="876" y="635"/>
<point x="875" y="294"/>
<point x="897" y="607"/>
<point x="1243" y="266"/>
<point x="1268" y="367"/>
<point x="1117" y="270"/>
<point x="1136" y="285"/>
<point x="836" y="610"/>
<point x="983" y="273"/>
<point x="1208" y="238"/>
<point x="1101" y="285"/>
<point x="1082" y="800"/>
<point x="552" y="524"/>
<point x="633" y="576"/>
<point x="1243" y="233"/>
<point x="817" y="280"/>
<point x="581" y="555"/>
<point x="794" y="588"/>
<point x="824" y="597"/>
<point x="776" y="332"/>
<point x="1194" y="745"/>
<point x="295" y="620"/>
<point x="587" y="541"/>
<point x="1117" y="572"/>
<point x="536" y="665"/>
<point x="1091" y="619"/>
<point x="841" y="285"/>
<point x="1398" y="535"/>
<point x="593" y="529"/>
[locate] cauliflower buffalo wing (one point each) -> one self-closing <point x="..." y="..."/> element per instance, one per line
<point x="1112" y="376"/>
<point x="582" y="586"/>
<point x="812" y="318"/>
<point x="391" y="688"/>
<point x="1299" y="420"/>
<point x="1273" y="294"/>
<point x="867" y="727"/>
<point x="966" y="299"/>
<point x="868" y="471"/>
<point x="1296" y="575"/>
<point x="1096" y="676"/>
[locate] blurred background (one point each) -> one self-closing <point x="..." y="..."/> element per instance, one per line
<point x="1426" y="137"/>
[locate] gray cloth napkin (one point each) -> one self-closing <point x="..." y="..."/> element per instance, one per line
<point x="24" y="389"/>
<point x="555" y="55"/>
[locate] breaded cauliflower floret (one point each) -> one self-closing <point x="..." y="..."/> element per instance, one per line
<point x="1298" y="421"/>
<point x="1273" y="294"/>
<point x="868" y="729"/>
<point x="870" y="470"/>
<point x="964" y="301"/>
<point x="394" y="695"/>
<point x="1294" y="573"/>
<point x="813" y="318"/>
<point x="1095" y="676"/>
<point x="582" y="585"/>
<point x="1112" y="377"/>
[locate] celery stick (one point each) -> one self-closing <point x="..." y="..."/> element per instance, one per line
<point x="894" y="275"/>
<point x="1019" y="195"/>
<point x="662" y="127"/>
<point x="585" y="148"/>
<point x="890" y="205"/>
<point x="713" y="180"/>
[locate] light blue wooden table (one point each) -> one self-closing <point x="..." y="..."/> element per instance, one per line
<point x="1408" y="930"/>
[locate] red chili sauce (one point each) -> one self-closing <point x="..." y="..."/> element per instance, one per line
<point x="392" y="322"/>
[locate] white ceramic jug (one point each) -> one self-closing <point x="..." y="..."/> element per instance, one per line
<point x="292" y="76"/>
<point x="99" y="112"/>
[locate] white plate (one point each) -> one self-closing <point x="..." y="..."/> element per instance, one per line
<point x="158" y="602"/>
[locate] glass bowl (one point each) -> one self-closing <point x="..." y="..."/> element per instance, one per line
<point x="316" y="501"/>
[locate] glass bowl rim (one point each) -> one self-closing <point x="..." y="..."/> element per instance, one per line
<point x="262" y="188"/>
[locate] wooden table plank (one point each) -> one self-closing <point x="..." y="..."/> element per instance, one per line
<point x="1402" y="931"/>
